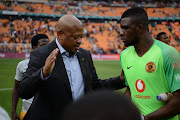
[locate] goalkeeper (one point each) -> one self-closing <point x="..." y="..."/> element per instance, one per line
<point x="150" y="67"/>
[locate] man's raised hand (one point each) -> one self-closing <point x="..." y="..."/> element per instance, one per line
<point x="50" y="62"/>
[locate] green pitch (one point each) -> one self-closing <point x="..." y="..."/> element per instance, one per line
<point x="7" y="72"/>
<point x="104" y="69"/>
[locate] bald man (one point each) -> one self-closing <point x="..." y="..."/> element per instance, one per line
<point x="61" y="72"/>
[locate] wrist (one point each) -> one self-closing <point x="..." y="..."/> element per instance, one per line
<point x="44" y="73"/>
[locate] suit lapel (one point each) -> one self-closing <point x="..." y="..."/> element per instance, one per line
<point x="61" y="70"/>
<point x="84" y="68"/>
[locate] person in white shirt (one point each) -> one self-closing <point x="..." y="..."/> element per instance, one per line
<point x="37" y="41"/>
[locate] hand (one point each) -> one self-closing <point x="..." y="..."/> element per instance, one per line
<point x="122" y="76"/>
<point x="50" y="62"/>
<point x="15" y="116"/>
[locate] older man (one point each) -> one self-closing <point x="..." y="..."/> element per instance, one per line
<point x="60" y="73"/>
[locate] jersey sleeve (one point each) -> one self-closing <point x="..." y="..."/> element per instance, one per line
<point x="19" y="72"/>
<point x="172" y="68"/>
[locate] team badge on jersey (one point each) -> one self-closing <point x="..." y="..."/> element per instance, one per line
<point x="150" y="67"/>
<point x="140" y="85"/>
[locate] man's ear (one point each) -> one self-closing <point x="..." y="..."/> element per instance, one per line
<point x="139" y="28"/>
<point x="60" y="34"/>
<point x="34" y="47"/>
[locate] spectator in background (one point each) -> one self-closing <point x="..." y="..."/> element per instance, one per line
<point x="162" y="36"/>
<point x="37" y="41"/>
<point x="102" y="105"/>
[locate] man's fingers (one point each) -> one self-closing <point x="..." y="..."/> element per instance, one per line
<point x="50" y="61"/>
<point x="53" y="53"/>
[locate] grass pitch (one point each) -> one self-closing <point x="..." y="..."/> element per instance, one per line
<point x="104" y="69"/>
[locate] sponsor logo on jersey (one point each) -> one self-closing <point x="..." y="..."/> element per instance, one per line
<point x="150" y="67"/>
<point x="142" y="97"/>
<point x="140" y="85"/>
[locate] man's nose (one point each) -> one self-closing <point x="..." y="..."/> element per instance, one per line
<point x="121" y="33"/>
<point x="79" y="40"/>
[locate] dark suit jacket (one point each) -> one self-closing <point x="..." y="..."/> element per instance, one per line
<point x="54" y="94"/>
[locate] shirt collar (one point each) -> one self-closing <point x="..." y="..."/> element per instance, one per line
<point x="62" y="50"/>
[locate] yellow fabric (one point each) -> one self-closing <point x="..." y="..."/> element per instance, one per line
<point x="22" y="114"/>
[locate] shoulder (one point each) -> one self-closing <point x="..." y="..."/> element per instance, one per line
<point x="167" y="51"/>
<point x="23" y="63"/>
<point x="170" y="55"/>
<point x="127" y="50"/>
<point x="84" y="51"/>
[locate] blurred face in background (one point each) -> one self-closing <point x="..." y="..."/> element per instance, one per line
<point x="164" y="38"/>
<point x="42" y="42"/>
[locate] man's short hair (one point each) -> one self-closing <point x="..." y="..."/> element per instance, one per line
<point x="102" y="105"/>
<point x="36" y="38"/>
<point x="159" y="35"/>
<point x="137" y="14"/>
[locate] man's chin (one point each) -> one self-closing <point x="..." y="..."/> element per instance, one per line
<point x="127" y="45"/>
<point x="74" y="51"/>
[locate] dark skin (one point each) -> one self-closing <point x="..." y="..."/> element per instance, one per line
<point x="136" y="34"/>
<point x="69" y="35"/>
<point x="15" y="96"/>
<point x="164" y="38"/>
<point x="133" y="34"/>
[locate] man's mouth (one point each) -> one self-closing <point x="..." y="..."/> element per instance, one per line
<point x="77" y="47"/>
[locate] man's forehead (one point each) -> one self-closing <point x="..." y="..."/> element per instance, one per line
<point x="43" y="39"/>
<point x="163" y="36"/>
<point x="73" y="29"/>
<point x="80" y="33"/>
<point x="78" y="27"/>
<point x="125" y="20"/>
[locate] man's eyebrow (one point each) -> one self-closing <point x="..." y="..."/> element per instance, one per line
<point x="123" y="26"/>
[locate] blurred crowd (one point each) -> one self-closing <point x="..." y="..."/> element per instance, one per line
<point x="154" y="8"/>
<point x="100" y="38"/>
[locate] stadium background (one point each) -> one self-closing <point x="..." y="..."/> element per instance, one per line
<point x="21" y="19"/>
